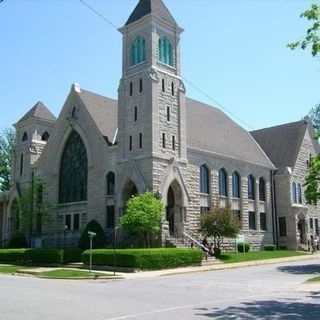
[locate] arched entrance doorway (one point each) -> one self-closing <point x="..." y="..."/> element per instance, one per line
<point x="129" y="191"/>
<point x="302" y="230"/>
<point x="174" y="209"/>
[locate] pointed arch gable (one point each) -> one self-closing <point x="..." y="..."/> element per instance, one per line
<point x="132" y="174"/>
<point x="173" y="173"/>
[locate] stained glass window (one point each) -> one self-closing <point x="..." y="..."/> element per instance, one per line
<point x="73" y="171"/>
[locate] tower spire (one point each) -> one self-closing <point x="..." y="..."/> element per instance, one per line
<point x="154" y="7"/>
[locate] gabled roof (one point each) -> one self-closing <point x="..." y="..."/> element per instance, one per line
<point x="104" y="112"/>
<point x="282" y="143"/>
<point x="209" y="129"/>
<point x="39" y="111"/>
<point x="156" y="7"/>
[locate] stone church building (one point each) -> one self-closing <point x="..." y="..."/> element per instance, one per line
<point x="99" y="152"/>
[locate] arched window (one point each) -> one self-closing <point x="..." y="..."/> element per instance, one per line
<point x="172" y="88"/>
<point x="138" y="50"/>
<point x="251" y="188"/>
<point x="45" y="136"/>
<point x="73" y="171"/>
<point x="110" y="183"/>
<point x="74" y="112"/>
<point x="204" y="179"/>
<point x="140" y="85"/>
<point x="223" y="183"/>
<point x="25" y="137"/>
<point x="235" y="185"/>
<point x="163" y="86"/>
<point x="165" y="51"/>
<point x="299" y="193"/>
<point x="262" y="190"/>
<point x="294" y="192"/>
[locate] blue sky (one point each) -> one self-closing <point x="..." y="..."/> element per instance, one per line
<point x="233" y="50"/>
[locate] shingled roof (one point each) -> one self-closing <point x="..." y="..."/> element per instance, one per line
<point x="104" y="112"/>
<point x="39" y="111"/>
<point x="209" y="129"/>
<point x="156" y="7"/>
<point x="282" y="143"/>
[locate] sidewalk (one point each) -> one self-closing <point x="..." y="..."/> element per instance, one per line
<point x="185" y="270"/>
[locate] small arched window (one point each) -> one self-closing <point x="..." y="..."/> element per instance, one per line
<point x="294" y="192"/>
<point x="165" y="51"/>
<point x="45" y="136"/>
<point x="251" y="188"/>
<point x="223" y="183"/>
<point x="235" y="185"/>
<point x="131" y="88"/>
<point x="140" y="85"/>
<point x="138" y="50"/>
<point x="25" y="137"/>
<point x="262" y="190"/>
<point x="204" y="179"/>
<point x="110" y="183"/>
<point x="172" y="88"/>
<point x="74" y="112"/>
<point x="163" y="86"/>
<point x="299" y="193"/>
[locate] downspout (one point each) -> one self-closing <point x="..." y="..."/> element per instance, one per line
<point x="274" y="209"/>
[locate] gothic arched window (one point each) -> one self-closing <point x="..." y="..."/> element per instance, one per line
<point x="45" y="136"/>
<point x="73" y="171"/>
<point x="138" y="50"/>
<point x="299" y="193"/>
<point x="25" y="137"/>
<point x="294" y="192"/>
<point x="251" y="188"/>
<point x="262" y="190"/>
<point x="235" y="185"/>
<point x="223" y="184"/>
<point x="204" y="179"/>
<point x="110" y="183"/>
<point x="165" y="51"/>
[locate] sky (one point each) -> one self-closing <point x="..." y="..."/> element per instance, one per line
<point x="233" y="51"/>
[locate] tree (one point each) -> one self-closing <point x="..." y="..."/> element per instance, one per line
<point x="312" y="37"/>
<point x="143" y="216"/>
<point x="98" y="242"/>
<point x="7" y="143"/>
<point x="219" y="223"/>
<point x="33" y="208"/>
<point x="314" y="115"/>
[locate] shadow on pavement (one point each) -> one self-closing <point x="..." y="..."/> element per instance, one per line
<point x="265" y="310"/>
<point x="302" y="269"/>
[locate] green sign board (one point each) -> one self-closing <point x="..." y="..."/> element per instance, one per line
<point x="91" y="234"/>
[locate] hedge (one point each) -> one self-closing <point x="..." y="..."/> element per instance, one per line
<point x="72" y="255"/>
<point x="13" y="255"/>
<point x="40" y="255"/>
<point x="144" y="259"/>
<point x="269" y="247"/>
<point x="243" y="247"/>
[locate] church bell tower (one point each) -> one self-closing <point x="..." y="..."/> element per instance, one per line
<point x="151" y="112"/>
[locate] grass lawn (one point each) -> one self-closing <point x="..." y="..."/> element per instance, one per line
<point x="258" y="255"/>
<point x="67" y="273"/>
<point x="315" y="279"/>
<point x="11" y="268"/>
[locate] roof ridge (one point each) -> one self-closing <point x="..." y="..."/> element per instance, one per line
<point x="303" y="121"/>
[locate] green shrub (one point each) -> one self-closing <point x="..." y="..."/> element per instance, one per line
<point x="72" y="255"/>
<point x="46" y="255"/>
<point x="145" y="259"/>
<point x="99" y="241"/>
<point x="17" y="240"/>
<point x="243" y="246"/>
<point x="13" y="255"/>
<point x="270" y="247"/>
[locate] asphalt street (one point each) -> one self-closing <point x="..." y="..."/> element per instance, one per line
<point x="263" y="292"/>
